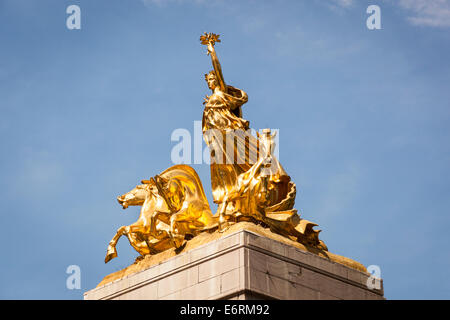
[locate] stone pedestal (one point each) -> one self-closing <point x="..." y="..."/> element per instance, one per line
<point x="242" y="265"/>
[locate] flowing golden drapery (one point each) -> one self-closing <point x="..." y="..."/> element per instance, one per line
<point x="223" y="127"/>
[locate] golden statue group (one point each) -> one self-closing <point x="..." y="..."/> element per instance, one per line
<point x="248" y="182"/>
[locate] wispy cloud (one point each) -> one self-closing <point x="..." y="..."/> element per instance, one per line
<point x="343" y="3"/>
<point x="434" y="13"/>
<point x="338" y="6"/>
<point x="149" y="3"/>
<point x="430" y="13"/>
<point x="296" y="42"/>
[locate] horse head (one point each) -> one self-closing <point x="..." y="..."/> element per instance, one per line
<point x="135" y="197"/>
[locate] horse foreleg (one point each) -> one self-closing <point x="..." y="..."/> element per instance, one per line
<point x="176" y="237"/>
<point x="138" y="237"/>
<point x="154" y="230"/>
<point x="111" y="252"/>
<point x="223" y="224"/>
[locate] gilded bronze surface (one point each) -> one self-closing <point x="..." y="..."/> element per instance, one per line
<point x="248" y="182"/>
<point x="173" y="205"/>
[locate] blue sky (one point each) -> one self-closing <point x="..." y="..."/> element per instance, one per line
<point x="86" y="114"/>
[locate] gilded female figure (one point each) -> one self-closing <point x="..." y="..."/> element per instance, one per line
<point x="223" y="123"/>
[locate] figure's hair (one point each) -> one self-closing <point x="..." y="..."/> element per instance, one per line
<point x="212" y="73"/>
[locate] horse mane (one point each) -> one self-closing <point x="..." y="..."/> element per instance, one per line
<point x="184" y="171"/>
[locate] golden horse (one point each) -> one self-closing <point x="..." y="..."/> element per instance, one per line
<point x="174" y="205"/>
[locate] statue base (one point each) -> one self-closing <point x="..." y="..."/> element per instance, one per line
<point x="245" y="262"/>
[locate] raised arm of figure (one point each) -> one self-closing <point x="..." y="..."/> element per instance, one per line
<point x="209" y="39"/>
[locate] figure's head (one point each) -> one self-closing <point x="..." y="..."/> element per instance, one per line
<point x="211" y="79"/>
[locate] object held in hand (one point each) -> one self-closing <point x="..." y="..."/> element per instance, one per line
<point x="209" y="38"/>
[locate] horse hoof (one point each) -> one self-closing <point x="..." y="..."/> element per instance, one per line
<point x="181" y="247"/>
<point x="179" y="242"/>
<point x="111" y="253"/>
<point x="223" y="227"/>
<point x="139" y="258"/>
